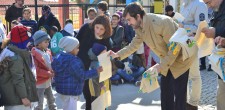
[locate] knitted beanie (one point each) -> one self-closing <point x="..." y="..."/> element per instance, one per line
<point x="40" y="36"/>
<point x="68" y="43"/>
<point x="98" y="48"/>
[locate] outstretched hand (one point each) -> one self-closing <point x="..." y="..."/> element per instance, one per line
<point x="113" y="54"/>
<point x="99" y="69"/>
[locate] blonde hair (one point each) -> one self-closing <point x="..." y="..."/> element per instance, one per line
<point x="27" y="9"/>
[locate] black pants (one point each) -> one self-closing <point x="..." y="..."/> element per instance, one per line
<point x="87" y="95"/>
<point x="174" y="91"/>
<point x="202" y="60"/>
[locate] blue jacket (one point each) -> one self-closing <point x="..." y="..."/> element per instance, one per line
<point x="70" y="74"/>
<point x="30" y="23"/>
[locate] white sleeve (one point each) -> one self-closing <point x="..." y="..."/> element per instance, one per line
<point x="201" y="13"/>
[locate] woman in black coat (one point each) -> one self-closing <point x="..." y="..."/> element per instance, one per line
<point x="99" y="31"/>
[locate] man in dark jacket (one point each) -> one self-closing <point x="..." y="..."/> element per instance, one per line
<point x="217" y="31"/>
<point x="48" y="18"/>
<point x="14" y="12"/>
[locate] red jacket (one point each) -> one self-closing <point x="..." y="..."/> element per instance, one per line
<point x="42" y="71"/>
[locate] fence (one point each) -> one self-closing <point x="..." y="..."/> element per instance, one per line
<point x="77" y="12"/>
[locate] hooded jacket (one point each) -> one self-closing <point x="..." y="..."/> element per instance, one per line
<point x="68" y="30"/>
<point x="70" y="74"/>
<point x="43" y="72"/>
<point x="17" y="80"/>
<point x="13" y="13"/>
<point x="50" y="21"/>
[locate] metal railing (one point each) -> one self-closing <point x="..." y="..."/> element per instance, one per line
<point x="77" y="12"/>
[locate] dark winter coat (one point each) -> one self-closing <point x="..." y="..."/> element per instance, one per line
<point x="50" y="21"/>
<point x="16" y="79"/>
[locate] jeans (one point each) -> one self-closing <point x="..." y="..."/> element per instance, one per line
<point x="115" y="77"/>
<point x="42" y="92"/>
<point x="133" y="76"/>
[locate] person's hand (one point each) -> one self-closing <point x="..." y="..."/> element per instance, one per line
<point x="220" y="41"/>
<point x="191" y="34"/>
<point x="100" y="69"/>
<point x="127" y="68"/>
<point x="209" y="32"/>
<point x="29" y="29"/>
<point x="181" y="25"/>
<point x="113" y="54"/>
<point x="51" y="73"/>
<point x="158" y="67"/>
<point x="19" y="19"/>
<point x="26" y="102"/>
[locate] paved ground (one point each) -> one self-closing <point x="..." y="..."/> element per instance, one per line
<point x="126" y="96"/>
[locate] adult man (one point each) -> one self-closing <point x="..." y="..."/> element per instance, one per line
<point x="194" y="11"/>
<point x="217" y="31"/>
<point x="14" y="12"/>
<point x="155" y="31"/>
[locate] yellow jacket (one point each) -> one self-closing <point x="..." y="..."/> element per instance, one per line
<point x="156" y="32"/>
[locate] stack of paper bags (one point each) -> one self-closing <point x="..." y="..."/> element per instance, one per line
<point x="149" y="81"/>
<point x="187" y="43"/>
<point x="216" y="63"/>
<point x="205" y="45"/>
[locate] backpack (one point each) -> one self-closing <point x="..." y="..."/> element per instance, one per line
<point x="20" y="36"/>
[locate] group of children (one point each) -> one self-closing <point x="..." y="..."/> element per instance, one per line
<point x="59" y="60"/>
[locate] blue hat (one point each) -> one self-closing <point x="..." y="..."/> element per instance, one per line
<point x="98" y="48"/>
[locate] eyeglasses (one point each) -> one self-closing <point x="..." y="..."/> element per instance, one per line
<point x="209" y="2"/>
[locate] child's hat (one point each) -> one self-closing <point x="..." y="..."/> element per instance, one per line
<point x="20" y="37"/>
<point x="98" y="48"/>
<point x="40" y="36"/>
<point x="68" y="43"/>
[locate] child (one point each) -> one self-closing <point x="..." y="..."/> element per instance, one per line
<point x="70" y="73"/>
<point x="92" y="13"/>
<point x="26" y="21"/>
<point x="56" y="36"/>
<point x="118" y="33"/>
<point x="96" y="88"/>
<point x="68" y="29"/>
<point x="132" y="71"/>
<point x="17" y="81"/>
<point x="42" y="58"/>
